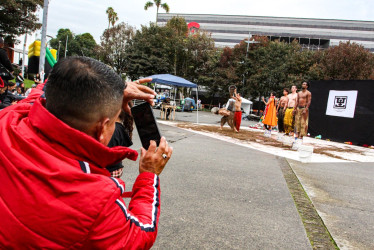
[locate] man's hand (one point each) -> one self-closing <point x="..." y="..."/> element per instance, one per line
<point x="135" y="90"/>
<point x="155" y="159"/>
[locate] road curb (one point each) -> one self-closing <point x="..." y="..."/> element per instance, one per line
<point x="317" y="232"/>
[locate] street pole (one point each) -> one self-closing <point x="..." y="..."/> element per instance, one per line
<point x="23" y="55"/>
<point x="44" y="34"/>
<point x="66" y="44"/>
<point x="58" y="52"/>
<point x="246" y="54"/>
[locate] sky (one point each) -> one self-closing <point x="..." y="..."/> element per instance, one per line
<point x="82" y="16"/>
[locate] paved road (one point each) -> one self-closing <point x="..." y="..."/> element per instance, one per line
<point x="217" y="195"/>
<point x="343" y="196"/>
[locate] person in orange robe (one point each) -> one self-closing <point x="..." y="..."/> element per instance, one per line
<point x="270" y="119"/>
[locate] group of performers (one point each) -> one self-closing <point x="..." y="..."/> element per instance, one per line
<point x="292" y="111"/>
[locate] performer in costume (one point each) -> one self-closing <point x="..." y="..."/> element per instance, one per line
<point x="270" y="119"/>
<point x="304" y="98"/>
<point x="289" y="120"/>
<point x="281" y="108"/>
<point x="238" y="111"/>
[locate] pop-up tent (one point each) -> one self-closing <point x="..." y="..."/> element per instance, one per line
<point x="172" y="80"/>
<point x="246" y="105"/>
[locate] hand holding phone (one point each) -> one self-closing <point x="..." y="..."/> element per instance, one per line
<point x="155" y="159"/>
<point x="146" y="124"/>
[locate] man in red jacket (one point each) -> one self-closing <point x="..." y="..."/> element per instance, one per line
<point x="55" y="190"/>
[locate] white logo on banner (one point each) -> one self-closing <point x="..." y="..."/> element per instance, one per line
<point x="342" y="103"/>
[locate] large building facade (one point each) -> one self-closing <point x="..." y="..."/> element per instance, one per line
<point x="313" y="34"/>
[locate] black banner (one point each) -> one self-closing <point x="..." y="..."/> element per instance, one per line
<point x="337" y="98"/>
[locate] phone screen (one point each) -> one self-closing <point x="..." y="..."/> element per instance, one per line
<point x="146" y="124"/>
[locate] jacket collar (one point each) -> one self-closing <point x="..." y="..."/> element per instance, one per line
<point x="80" y="144"/>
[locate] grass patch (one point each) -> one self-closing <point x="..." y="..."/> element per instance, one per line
<point x="27" y="82"/>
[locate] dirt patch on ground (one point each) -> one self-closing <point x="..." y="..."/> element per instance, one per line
<point x="258" y="137"/>
<point x="243" y="135"/>
<point x="329" y="151"/>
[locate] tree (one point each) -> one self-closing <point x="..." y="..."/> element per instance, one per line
<point x="348" y="61"/>
<point x="148" y="52"/>
<point x="272" y="66"/>
<point x="112" y="16"/>
<point x="86" y="44"/>
<point x="158" y="4"/>
<point x="78" y="45"/>
<point x="178" y="27"/>
<point x="113" y="47"/>
<point x="17" y="17"/>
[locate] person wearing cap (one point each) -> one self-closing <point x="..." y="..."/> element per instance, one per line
<point x="56" y="192"/>
<point x="29" y="90"/>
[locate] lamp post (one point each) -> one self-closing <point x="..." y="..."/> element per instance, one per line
<point x="66" y="44"/>
<point x="23" y="55"/>
<point x="246" y="54"/>
<point x="44" y="34"/>
<point x="58" y="51"/>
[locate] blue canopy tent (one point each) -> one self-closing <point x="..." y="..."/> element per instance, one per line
<point x="172" y="80"/>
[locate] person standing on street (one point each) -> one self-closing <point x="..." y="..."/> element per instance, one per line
<point x="303" y="101"/>
<point x="238" y="111"/>
<point x="289" y="119"/>
<point x="281" y="108"/>
<point x="270" y="119"/>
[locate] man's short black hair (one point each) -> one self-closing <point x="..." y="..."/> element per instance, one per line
<point x="82" y="90"/>
<point x="287" y="90"/>
<point x="307" y="83"/>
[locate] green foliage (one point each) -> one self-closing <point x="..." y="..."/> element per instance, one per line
<point x="113" y="46"/>
<point x="148" y="52"/>
<point x="275" y="66"/>
<point x="112" y="16"/>
<point x="169" y="49"/>
<point x="348" y="61"/>
<point x="86" y="43"/>
<point x="18" y="17"/>
<point x="78" y="45"/>
<point x="158" y="4"/>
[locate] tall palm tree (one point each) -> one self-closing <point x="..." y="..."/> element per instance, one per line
<point x="158" y="4"/>
<point x="112" y="16"/>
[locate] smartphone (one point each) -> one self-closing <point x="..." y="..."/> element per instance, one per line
<point x="146" y="124"/>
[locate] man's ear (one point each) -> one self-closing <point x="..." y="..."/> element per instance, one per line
<point x="101" y="130"/>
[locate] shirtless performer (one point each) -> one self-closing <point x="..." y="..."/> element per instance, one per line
<point x="288" y="114"/>
<point x="282" y="104"/>
<point x="303" y="100"/>
<point x="230" y="106"/>
<point x="238" y="111"/>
